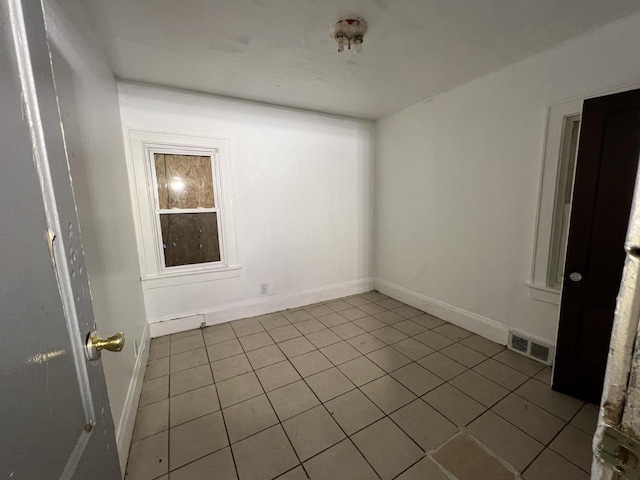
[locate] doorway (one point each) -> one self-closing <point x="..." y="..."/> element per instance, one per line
<point x="606" y="167"/>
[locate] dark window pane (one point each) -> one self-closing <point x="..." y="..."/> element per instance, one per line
<point x="184" y="181"/>
<point x="190" y="238"/>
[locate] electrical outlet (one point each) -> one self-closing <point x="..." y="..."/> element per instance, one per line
<point x="264" y="288"/>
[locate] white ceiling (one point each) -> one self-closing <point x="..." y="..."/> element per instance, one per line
<point x="280" y="51"/>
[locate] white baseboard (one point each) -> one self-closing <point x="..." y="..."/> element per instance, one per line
<point x="260" y="306"/>
<point x="124" y="429"/>
<point x="483" y="326"/>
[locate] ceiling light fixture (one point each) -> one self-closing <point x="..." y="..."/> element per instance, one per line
<point x="348" y="32"/>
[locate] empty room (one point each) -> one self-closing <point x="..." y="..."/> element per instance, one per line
<point x="280" y="239"/>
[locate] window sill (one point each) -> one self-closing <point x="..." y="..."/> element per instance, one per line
<point x="170" y="279"/>
<point x="544" y="293"/>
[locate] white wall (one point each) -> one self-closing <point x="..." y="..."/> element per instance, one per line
<point x="302" y="197"/>
<point x="456" y="180"/>
<point x="87" y="96"/>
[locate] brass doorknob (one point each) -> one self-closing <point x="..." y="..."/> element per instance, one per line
<point x="115" y="343"/>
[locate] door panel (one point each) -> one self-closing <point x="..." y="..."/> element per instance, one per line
<point x="603" y="192"/>
<point x="54" y="410"/>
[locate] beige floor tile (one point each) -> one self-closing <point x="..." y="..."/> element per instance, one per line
<point x="388" y="359"/>
<point x="265" y="455"/>
<point x="340" y="352"/>
<point x="284" y="333"/>
<point x="156" y="368"/>
<point x="559" y="404"/>
<point x="329" y="384"/>
<point x="463" y="355"/>
<point x="544" y="376"/>
<point x="390" y="303"/>
<point x="190" y="379"/>
<point x="425" y="469"/>
<point x="296" y="346"/>
<point x="467" y="460"/>
<point x="407" y="311"/>
<point x="417" y="379"/>
<point x="322" y="338"/>
<point x="369" y="324"/>
<point x="185" y="334"/>
<point x="228" y="348"/>
<point x="265" y="356"/>
<point x="586" y="419"/>
<point x="353" y="411"/>
<point x="442" y="366"/>
<point x="340" y="461"/>
<point x="246" y="327"/>
<point x="193" y="404"/>
<point x="151" y="419"/>
<point x="361" y="370"/>
<point x="387" y="448"/>
<point x="479" y="388"/>
<point x="357" y="301"/>
<point x="312" y="432"/>
<point x="310" y="363"/>
<point x="428" y="321"/>
<point x="186" y="344"/>
<point x="519" y="362"/>
<point x="388" y="394"/>
<point x="482" y="345"/>
<point x="249" y="417"/>
<point x="409" y="328"/>
<point x="389" y="335"/>
<point x="196" y="439"/>
<point x="371" y="308"/>
<point x="238" y="389"/>
<point x="332" y="320"/>
<point x="220" y="462"/>
<point x="292" y="399"/>
<point x="353" y="314"/>
<point x="424" y="425"/>
<point x="574" y="445"/>
<point x="389" y="317"/>
<point x="458" y="407"/>
<point x="366" y="343"/>
<point x="434" y="340"/>
<point x="510" y="443"/>
<point x="373" y="296"/>
<point x="309" y="326"/>
<point x="297" y="315"/>
<point x="255" y="341"/>
<point x="527" y="416"/>
<point x="501" y="374"/>
<point x="551" y="466"/>
<point x="338" y="305"/>
<point x="272" y="320"/>
<point x="149" y="457"/>
<point x="154" y="390"/>
<point x="319" y="310"/>
<point x="295" y="474"/>
<point x="218" y="333"/>
<point x="190" y="359"/>
<point x="453" y="332"/>
<point x="347" y="330"/>
<point x="277" y="375"/>
<point x="159" y="350"/>
<point x="230" y="367"/>
<point x="412" y="349"/>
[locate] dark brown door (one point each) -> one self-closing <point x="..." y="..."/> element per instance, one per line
<point x="603" y="191"/>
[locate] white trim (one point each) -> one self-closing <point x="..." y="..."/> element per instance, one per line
<point x="544" y="294"/>
<point x="483" y="326"/>
<point x="140" y="147"/>
<point x="172" y="279"/>
<point x="124" y="429"/>
<point x="261" y="306"/>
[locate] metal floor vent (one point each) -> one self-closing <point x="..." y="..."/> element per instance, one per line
<point x="531" y="348"/>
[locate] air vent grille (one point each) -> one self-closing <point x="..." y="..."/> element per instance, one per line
<point x="531" y="348"/>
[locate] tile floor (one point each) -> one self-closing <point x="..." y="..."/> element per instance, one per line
<point x="364" y="387"/>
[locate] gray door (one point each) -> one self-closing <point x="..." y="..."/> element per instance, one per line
<point x="55" y="420"/>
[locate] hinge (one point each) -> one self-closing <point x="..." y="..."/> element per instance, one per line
<point x="620" y="451"/>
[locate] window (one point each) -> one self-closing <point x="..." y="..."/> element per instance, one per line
<point x="562" y="204"/>
<point x="556" y="188"/>
<point x="186" y="207"/>
<point x="182" y="191"/>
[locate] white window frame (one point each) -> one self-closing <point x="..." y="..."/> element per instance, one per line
<point x="549" y="176"/>
<point x="142" y="147"/>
